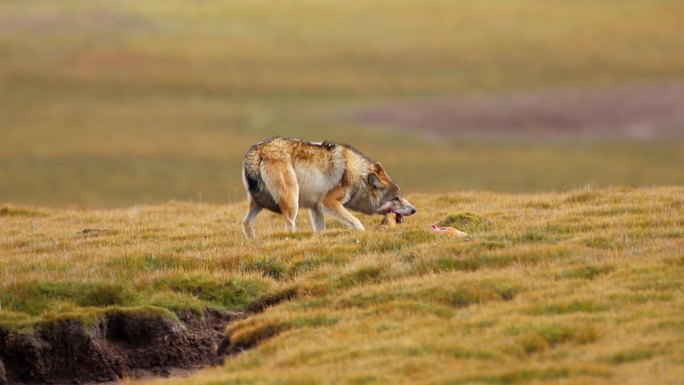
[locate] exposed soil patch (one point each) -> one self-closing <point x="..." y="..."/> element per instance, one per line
<point x="120" y="344"/>
<point x="635" y="111"/>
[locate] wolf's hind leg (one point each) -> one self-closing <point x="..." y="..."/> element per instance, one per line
<point x="281" y="181"/>
<point x="248" y="221"/>
<point x="289" y="206"/>
<point x="317" y="219"/>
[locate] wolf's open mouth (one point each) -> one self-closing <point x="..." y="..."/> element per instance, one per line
<point x="399" y="218"/>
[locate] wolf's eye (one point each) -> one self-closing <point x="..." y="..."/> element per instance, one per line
<point x="397" y="199"/>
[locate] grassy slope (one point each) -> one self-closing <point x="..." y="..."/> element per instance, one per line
<point x="129" y="102"/>
<point x="582" y="286"/>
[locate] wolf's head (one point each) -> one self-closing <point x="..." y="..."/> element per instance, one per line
<point x="386" y="195"/>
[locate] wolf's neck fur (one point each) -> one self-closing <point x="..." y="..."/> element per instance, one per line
<point x="359" y="196"/>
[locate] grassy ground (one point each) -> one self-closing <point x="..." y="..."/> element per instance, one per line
<point x="583" y="286"/>
<point x="134" y="103"/>
<point x="121" y="103"/>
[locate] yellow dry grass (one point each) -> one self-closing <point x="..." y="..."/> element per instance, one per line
<point x="578" y="287"/>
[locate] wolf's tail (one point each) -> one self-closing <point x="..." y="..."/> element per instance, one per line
<point x="251" y="181"/>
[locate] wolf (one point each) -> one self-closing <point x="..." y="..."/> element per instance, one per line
<point x="283" y="175"/>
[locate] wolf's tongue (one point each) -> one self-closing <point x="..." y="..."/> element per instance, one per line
<point x="399" y="218"/>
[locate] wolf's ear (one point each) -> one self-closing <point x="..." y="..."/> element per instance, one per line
<point x="374" y="180"/>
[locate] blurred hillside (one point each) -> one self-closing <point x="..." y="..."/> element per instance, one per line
<point x="116" y="103"/>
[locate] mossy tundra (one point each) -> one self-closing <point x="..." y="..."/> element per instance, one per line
<point x="577" y="287"/>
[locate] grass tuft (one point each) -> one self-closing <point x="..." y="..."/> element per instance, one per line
<point x="248" y="336"/>
<point x="539" y="337"/>
<point x="268" y="266"/>
<point x="11" y="211"/>
<point x="629" y="356"/>
<point x="107" y="294"/>
<point x="226" y="292"/>
<point x="364" y="275"/>
<point x="588" y="272"/>
<point x="466" y="221"/>
<point x="479" y="292"/>
<point x="525" y="376"/>
<point x="578" y="306"/>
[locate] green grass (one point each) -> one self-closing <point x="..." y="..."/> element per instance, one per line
<point x="525" y="298"/>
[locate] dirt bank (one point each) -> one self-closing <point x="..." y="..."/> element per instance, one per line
<point x="643" y="111"/>
<point x="120" y="344"/>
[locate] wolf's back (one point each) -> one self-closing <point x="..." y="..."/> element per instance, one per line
<point x="318" y="166"/>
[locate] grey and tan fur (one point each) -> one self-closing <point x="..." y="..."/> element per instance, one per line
<point x="283" y="175"/>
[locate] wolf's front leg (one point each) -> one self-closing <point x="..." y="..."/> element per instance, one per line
<point x="333" y="207"/>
